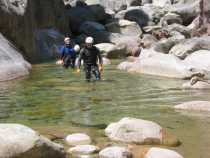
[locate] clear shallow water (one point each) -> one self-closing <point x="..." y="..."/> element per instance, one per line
<point x="59" y="101"/>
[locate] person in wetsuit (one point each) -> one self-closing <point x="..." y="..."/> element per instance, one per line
<point x="90" y="54"/>
<point x="68" y="54"/>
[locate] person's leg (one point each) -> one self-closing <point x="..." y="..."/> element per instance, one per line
<point x="67" y="62"/>
<point x="73" y="61"/>
<point x="96" y="72"/>
<point x="87" y="72"/>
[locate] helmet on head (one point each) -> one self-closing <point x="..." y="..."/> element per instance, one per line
<point x="67" y="40"/>
<point x="89" y="40"/>
<point x="77" y="48"/>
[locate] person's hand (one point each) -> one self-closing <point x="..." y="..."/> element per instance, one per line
<point x="78" y="70"/>
<point x="101" y="68"/>
<point x="60" y="62"/>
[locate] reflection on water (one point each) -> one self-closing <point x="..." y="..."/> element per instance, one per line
<point x="52" y="98"/>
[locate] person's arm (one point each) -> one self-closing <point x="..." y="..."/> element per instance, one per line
<point x="100" y="60"/>
<point x="99" y="57"/>
<point x="80" y="58"/>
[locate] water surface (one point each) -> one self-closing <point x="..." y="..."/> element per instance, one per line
<point x="52" y="99"/>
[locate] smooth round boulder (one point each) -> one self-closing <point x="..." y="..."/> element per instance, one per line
<point x="83" y="150"/>
<point x="115" y="152"/>
<point x="162" y="153"/>
<point x="131" y="130"/>
<point x="78" y="139"/>
<point x="22" y="142"/>
<point x="194" y="106"/>
<point x="125" y="27"/>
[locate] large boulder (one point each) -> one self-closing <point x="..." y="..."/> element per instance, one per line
<point x="125" y="27"/>
<point x="112" y="51"/>
<point x="131" y="130"/>
<point x="90" y="27"/>
<point x="18" y="141"/>
<point x="159" y="64"/>
<point x="194" y="106"/>
<point x="12" y="64"/>
<point x="149" y="40"/>
<point x="78" y="15"/>
<point x="143" y="15"/>
<point x="21" y="19"/>
<point x="115" y="5"/>
<point x="189" y="46"/>
<point x="171" y="18"/>
<point x="165" y="44"/>
<point x="137" y="131"/>
<point x="161" y="3"/>
<point x="187" y="11"/>
<point x="115" y="152"/>
<point x="199" y="60"/>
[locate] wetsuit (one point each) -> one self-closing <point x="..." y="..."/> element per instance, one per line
<point x="90" y="56"/>
<point x="68" y="55"/>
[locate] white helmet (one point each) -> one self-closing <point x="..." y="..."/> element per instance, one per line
<point x="77" y="48"/>
<point x="67" y="40"/>
<point x="89" y="40"/>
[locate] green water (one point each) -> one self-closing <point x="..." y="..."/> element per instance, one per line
<point x="55" y="100"/>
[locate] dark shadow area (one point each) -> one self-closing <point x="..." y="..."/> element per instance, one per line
<point x="138" y="16"/>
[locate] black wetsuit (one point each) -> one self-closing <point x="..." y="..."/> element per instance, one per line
<point x="90" y="56"/>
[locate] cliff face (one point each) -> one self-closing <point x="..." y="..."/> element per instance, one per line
<point x="23" y="20"/>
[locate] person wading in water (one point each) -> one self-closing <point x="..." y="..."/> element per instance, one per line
<point x="68" y="54"/>
<point x="90" y="54"/>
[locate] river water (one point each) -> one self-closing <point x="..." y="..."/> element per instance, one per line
<point x="59" y="101"/>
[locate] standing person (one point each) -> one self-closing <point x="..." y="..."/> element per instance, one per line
<point x="90" y="55"/>
<point x="68" y="54"/>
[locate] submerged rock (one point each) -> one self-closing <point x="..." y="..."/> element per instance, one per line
<point x="194" y="106"/>
<point x="161" y="153"/>
<point x="115" y="152"/>
<point x="83" y="150"/>
<point x="78" y="139"/>
<point x="12" y="64"/>
<point x="22" y="142"/>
